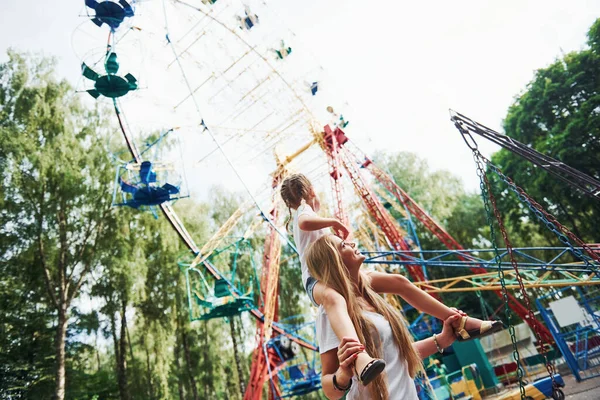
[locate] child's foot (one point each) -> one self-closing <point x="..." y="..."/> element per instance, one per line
<point x="468" y="328"/>
<point x="472" y="323"/>
<point x="367" y="368"/>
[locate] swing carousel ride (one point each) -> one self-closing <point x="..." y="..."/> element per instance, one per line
<point x="209" y="92"/>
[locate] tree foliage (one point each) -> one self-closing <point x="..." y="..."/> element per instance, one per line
<point x="443" y="197"/>
<point x="559" y="115"/>
<point x="54" y="182"/>
<point x="93" y="302"/>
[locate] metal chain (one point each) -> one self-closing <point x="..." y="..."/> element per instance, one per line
<point x="549" y="366"/>
<point x="507" y="311"/>
<point x="562" y="233"/>
<point x="591" y="260"/>
<point x="548" y="219"/>
<point x="483" y="305"/>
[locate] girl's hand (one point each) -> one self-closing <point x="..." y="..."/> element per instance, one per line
<point x="340" y="229"/>
<point x="347" y="353"/>
<point x="447" y="337"/>
<point x="461" y="312"/>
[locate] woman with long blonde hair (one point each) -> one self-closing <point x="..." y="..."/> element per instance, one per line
<point x="379" y="326"/>
<point x="307" y="226"/>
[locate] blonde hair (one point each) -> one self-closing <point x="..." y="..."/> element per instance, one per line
<point x="325" y="264"/>
<point x="294" y="189"/>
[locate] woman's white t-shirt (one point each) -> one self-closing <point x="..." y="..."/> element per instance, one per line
<point x="400" y="385"/>
<point x="304" y="239"/>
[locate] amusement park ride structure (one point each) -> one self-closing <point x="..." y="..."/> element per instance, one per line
<point x="377" y="191"/>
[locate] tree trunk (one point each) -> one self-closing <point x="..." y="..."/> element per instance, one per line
<point x="236" y="354"/>
<point x="178" y="344"/>
<point x="122" y="359"/>
<point x="62" y="306"/>
<point x="130" y="346"/>
<point x="178" y="365"/>
<point x="97" y="351"/>
<point x="188" y="361"/>
<point x="61" y="335"/>
<point x="206" y="363"/>
<point x="149" y="372"/>
<point x="113" y="331"/>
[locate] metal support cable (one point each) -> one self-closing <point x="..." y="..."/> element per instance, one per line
<point x="214" y="138"/>
<point x="573" y="177"/>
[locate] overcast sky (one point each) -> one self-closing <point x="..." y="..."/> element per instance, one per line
<point x="400" y="65"/>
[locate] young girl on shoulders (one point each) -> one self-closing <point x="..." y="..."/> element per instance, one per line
<point x="307" y="227"/>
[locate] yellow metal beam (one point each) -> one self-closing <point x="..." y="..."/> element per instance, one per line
<point x="301" y="150"/>
<point x="281" y="163"/>
<point x="223" y="231"/>
<point x="491" y="281"/>
<point x="393" y="202"/>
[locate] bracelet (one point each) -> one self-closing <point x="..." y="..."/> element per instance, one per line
<point x="338" y="387"/>
<point x="437" y="344"/>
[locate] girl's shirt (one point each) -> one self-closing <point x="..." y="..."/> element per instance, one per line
<point x="304" y="239"/>
<point x="400" y="385"/>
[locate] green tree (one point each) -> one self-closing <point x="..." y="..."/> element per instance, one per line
<point x="54" y="188"/>
<point x="443" y="197"/>
<point x="440" y="193"/>
<point x="558" y="114"/>
<point x="26" y="332"/>
<point x="467" y="222"/>
<point x="436" y="191"/>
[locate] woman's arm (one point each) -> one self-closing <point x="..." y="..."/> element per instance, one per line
<point x="338" y="362"/>
<point x="382" y="282"/>
<point x="427" y="347"/>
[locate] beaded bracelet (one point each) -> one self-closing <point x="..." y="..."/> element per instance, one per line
<point x="437" y="344"/>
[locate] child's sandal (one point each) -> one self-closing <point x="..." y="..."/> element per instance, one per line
<point x="486" y="328"/>
<point x="370" y="371"/>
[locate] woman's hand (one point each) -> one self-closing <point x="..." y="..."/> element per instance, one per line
<point x="340" y="229"/>
<point x="447" y="337"/>
<point x="347" y="353"/>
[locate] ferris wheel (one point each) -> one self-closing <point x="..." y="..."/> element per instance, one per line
<point x="209" y="92"/>
<point x="201" y="87"/>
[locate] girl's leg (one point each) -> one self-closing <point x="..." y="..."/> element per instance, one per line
<point x="397" y="284"/>
<point x="337" y="313"/>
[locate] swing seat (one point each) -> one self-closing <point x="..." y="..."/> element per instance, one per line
<point x="539" y="390"/>
<point x="212" y="295"/>
<point x="127" y="187"/>
<point x="300" y="383"/>
<point x="153" y="196"/>
<point x="147" y="176"/>
<point x="222" y="288"/>
<point x="295" y="373"/>
<point x="113" y="86"/>
<point x="224" y="306"/>
<point x="110" y="13"/>
<point x="230" y="309"/>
